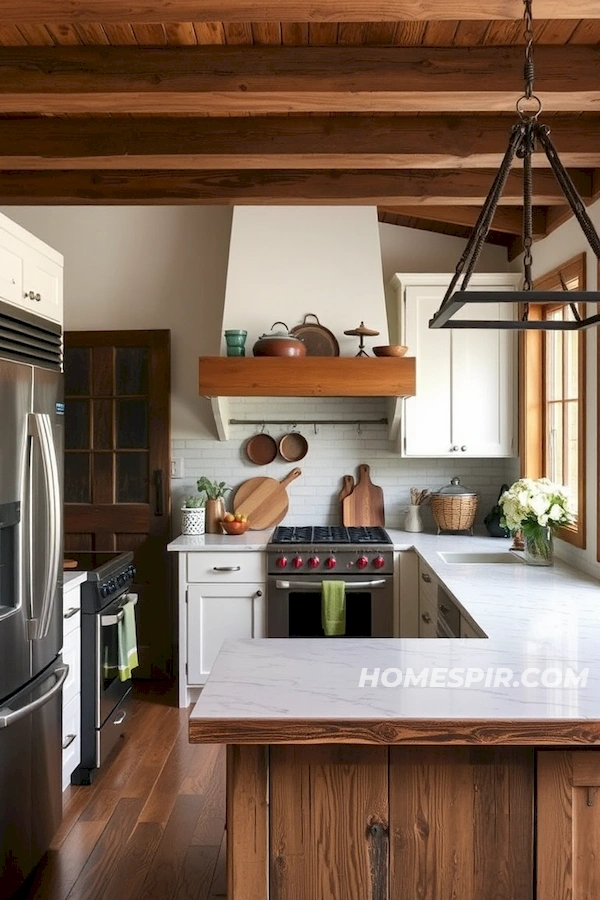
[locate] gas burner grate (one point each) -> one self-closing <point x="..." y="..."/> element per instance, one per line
<point x="330" y="534"/>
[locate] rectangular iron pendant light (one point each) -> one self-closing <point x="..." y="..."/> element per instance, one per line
<point x="526" y="134"/>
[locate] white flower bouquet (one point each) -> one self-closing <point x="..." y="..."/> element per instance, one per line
<point x="536" y="507"/>
<point x="530" y="502"/>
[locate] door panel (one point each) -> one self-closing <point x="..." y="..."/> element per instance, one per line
<point x="117" y="438"/>
<point x="15" y="403"/>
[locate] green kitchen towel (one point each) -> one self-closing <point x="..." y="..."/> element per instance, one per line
<point x="127" y="639"/>
<point x="333" y="607"/>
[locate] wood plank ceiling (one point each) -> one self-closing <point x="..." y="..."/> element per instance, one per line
<point x="406" y="104"/>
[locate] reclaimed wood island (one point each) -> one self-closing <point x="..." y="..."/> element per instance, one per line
<point x="344" y="783"/>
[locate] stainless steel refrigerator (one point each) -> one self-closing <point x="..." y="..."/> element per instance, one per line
<point x="31" y="668"/>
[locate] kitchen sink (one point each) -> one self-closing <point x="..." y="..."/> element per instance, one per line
<point x="504" y="556"/>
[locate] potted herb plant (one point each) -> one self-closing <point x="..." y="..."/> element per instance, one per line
<point x="537" y="507"/>
<point x="193" y="515"/>
<point x="215" y="504"/>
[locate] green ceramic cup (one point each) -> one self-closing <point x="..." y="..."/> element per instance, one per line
<point x="236" y="342"/>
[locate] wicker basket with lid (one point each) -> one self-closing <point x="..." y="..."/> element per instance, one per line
<point x="454" y="507"/>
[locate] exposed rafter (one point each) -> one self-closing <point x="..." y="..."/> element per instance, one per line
<point x="262" y="142"/>
<point x="222" y="80"/>
<point x="463" y="187"/>
<point x="39" y="11"/>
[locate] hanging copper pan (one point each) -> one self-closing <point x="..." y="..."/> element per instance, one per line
<point x="261" y="449"/>
<point x="293" y="446"/>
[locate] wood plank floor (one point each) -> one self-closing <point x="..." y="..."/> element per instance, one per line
<point x="151" y="826"/>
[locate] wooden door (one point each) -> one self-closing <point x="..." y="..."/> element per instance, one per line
<point x="329" y="822"/>
<point x="117" y="484"/>
<point x="461" y="823"/>
<point x="568" y="825"/>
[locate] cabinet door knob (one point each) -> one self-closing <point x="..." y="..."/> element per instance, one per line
<point x="454" y="448"/>
<point x="258" y="594"/>
<point x="426" y="618"/>
<point x="425" y="576"/>
<point x="463" y="448"/>
<point x="38" y="297"/>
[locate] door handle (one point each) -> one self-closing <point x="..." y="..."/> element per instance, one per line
<point x="9" y="716"/>
<point x="158" y="493"/>
<point x="40" y="428"/>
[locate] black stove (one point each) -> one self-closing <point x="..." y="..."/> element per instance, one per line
<point x="330" y="535"/>
<point x="108" y="575"/>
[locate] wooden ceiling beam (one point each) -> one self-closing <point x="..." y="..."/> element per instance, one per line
<point x="439" y="227"/>
<point x="150" y="11"/>
<point x="401" y="187"/>
<point x="299" y="142"/>
<point x="508" y="220"/>
<point x="222" y="80"/>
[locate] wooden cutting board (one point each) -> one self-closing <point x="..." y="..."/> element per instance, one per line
<point x="347" y="488"/>
<point x="364" y="506"/>
<point x="264" y="500"/>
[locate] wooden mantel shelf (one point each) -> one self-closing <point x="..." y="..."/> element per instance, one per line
<point x="221" y="377"/>
<point x="310" y="376"/>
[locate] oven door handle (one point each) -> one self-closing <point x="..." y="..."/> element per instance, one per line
<point x="107" y="620"/>
<point x="316" y="585"/>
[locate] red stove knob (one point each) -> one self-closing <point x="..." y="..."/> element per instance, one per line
<point x="331" y="562"/>
<point x="313" y="562"/>
<point x="281" y="562"/>
<point x="297" y="562"/>
<point x="379" y="562"/>
<point x="362" y="562"/>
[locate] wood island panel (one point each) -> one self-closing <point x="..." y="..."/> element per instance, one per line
<point x="461" y="823"/>
<point x="329" y="823"/>
<point x="311" y="376"/>
<point x="247" y="823"/>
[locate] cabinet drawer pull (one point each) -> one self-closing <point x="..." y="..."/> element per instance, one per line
<point x="444" y="609"/>
<point x="226" y="568"/>
<point x="121" y="718"/>
<point x="68" y="741"/>
<point x="426" y="577"/>
<point x="427" y="618"/>
<point x="70" y="612"/>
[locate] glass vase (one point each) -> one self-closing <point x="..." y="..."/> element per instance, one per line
<point x="539" y="546"/>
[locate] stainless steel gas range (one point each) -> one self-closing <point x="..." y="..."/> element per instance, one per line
<point x="300" y="559"/>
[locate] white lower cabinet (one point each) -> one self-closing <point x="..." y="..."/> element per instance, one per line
<point x="219" y="612"/>
<point x="222" y="597"/>
<point x="71" y="698"/>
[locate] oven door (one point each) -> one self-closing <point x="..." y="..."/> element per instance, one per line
<point x="294" y="607"/>
<point x="110" y="688"/>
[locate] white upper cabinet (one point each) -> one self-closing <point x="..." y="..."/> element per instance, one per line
<point x="465" y="402"/>
<point x="31" y="272"/>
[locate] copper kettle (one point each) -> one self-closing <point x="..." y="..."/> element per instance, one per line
<point x="279" y="343"/>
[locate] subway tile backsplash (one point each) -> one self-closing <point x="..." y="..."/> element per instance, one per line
<point x="334" y="450"/>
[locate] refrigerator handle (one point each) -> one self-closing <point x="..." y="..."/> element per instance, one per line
<point x="9" y="716"/>
<point x="40" y="429"/>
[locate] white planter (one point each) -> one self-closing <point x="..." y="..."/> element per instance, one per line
<point x="192" y="520"/>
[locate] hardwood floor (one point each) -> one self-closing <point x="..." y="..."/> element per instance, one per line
<point x="151" y="826"/>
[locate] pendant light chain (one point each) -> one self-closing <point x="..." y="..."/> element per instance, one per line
<point x="529" y="69"/>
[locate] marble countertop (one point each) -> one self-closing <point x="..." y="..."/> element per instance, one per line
<point x="192" y="543"/>
<point x="270" y="691"/>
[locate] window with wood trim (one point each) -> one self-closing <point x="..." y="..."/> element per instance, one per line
<point x="552" y="402"/>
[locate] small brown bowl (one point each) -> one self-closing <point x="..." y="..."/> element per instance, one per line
<point x="390" y="350"/>
<point x="235" y="527"/>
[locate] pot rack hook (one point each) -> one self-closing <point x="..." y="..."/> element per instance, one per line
<point x="315" y="428"/>
<point x="358" y="428"/>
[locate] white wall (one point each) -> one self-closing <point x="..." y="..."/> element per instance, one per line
<point x="138" y="267"/>
<point x="563" y="244"/>
<point x="411" y="250"/>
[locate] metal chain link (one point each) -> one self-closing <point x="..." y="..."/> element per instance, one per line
<point x="528" y="69"/>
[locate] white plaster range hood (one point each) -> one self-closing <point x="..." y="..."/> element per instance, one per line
<point x="285" y="262"/>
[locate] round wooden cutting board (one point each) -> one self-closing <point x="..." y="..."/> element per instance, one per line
<point x="263" y="500"/>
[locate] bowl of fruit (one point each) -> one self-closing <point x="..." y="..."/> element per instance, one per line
<point x="234" y="523"/>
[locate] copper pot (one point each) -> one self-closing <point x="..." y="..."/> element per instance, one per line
<point x="279" y="343"/>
